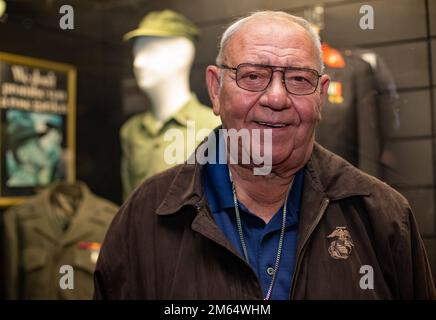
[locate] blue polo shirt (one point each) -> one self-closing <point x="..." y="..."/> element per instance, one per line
<point x="261" y="239"/>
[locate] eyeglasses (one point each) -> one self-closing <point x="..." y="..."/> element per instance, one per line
<point x="257" y="77"/>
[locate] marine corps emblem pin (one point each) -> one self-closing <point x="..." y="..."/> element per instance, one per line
<point x="342" y="244"/>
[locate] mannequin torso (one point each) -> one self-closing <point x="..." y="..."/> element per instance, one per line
<point x="161" y="66"/>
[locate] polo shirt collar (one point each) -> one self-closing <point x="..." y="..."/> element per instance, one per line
<point x="184" y="114"/>
<point x="222" y="192"/>
<point x="218" y="186"/>
<point x="216" y="180"/>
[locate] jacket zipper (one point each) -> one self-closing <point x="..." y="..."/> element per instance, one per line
<point x="324" y="205"/>
<point x="198" y="208"/>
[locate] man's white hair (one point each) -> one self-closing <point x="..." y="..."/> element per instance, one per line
<point x="273" y="15"/>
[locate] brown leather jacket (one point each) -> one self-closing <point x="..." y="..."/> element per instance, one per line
<point x="164" y="243"/>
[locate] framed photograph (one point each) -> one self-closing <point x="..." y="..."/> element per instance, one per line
<point x="37" y="125"/>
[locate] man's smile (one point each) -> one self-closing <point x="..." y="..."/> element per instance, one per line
<point x="271" y="124"/>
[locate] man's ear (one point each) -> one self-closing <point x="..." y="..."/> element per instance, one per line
<point x="213" y="87"/>
<point x="324" y="86"/>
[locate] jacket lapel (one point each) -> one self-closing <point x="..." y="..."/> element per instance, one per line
<point x="204" y="224"/>
<point x="44" y="221"/>
<point x="311" y="201"/>
<point x="84" y="220"/>
<point x="187" y="190"/>
<point x="325" y="180"/>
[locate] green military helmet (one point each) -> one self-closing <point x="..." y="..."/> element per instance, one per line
<point x="19" y="133"/>
<point x="166" y="23"/>
<point x="23" y="134"/>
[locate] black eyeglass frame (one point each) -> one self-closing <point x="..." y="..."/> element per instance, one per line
<point x="273" y="69"/>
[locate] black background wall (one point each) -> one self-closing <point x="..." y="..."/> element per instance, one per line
<point x="404" y="36"/>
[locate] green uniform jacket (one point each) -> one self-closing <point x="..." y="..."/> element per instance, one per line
<point x="143" y="141"/>
<point x="37" y="246"/>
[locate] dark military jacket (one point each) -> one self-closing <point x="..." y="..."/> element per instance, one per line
<point x="165" y="244"/>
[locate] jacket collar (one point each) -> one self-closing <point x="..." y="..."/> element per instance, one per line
<point x="186" y="189"/>
<point x="327" y="173"/>
<point x="188" y="112"/>
<point x="335" y="177"/>
<point x="81" y="224"/>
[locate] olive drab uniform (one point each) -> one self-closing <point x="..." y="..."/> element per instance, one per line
<point x="143" y="141"/>
<point x="143" y="136"/>
<point x="53" y="235"/>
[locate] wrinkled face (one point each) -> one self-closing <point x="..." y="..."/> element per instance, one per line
<point x="157" y="58"/>
<point x="291" y="118"/>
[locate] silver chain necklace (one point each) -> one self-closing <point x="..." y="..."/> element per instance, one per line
<point x="282" y="234"/>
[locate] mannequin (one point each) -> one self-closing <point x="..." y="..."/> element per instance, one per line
<point x="161" y="63"/>
<point x="163" y="52"/>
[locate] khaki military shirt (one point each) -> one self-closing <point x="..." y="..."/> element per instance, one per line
<point x="145" y="149"/>
<point x="47" y="237"/>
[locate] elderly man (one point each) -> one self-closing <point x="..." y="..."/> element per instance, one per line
<point x="312" y="227"/>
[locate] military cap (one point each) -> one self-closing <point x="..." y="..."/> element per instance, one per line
<point x="2" y="8"/>
<point x="166" y="23"/>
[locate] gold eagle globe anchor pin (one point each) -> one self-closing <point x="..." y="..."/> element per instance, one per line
<point x="342" y="244"/>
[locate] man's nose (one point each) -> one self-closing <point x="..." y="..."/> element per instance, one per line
<point x="276" y="94"/>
